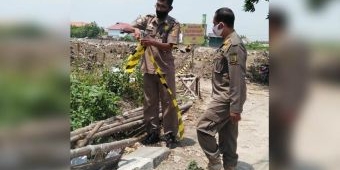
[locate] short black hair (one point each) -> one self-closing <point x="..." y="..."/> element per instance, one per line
<point x="169" y="2"/>
<point x="226" y="16"/>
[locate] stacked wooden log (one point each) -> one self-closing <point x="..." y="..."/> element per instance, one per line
<point x="131" y="124"/>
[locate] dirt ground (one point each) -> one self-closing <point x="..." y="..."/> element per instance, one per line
<point x="253" y="132"/>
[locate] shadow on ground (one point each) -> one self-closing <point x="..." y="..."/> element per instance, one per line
<point x="244" y="166"/>
<point x="186" y="142"/>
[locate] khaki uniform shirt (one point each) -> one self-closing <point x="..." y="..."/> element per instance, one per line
<point x="166" y="31"/>
<point x="229" y="72"/>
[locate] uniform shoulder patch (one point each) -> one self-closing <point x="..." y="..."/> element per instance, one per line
<point x="233" y="59"/>
<point x="226" y="45"/>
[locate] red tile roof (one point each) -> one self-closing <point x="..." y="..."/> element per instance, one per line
<point x="119" y="26"/>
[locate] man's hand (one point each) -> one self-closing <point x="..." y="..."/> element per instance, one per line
<point x="129" y="29"/>
<point x="148" y="42"/>
<point x="137" y="34"/>
<point x="235" y="117"/>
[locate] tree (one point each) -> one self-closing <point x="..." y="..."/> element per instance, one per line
<point x="91" y="30"/>
<point x="249" y="5"/>
<point x="316" y="5"/>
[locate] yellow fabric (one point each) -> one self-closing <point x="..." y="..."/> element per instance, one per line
<point x="133" y="60"/>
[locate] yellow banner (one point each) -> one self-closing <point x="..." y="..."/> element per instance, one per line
<point x="193" y="34"/>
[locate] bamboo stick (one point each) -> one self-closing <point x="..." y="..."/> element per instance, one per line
<point x="89" y="135"/>
<point x="93" y="149"/>
<point x="106" y="122"/>
<point x="123" y="126"/>
<point x="82" y="135"/>
<point x="126" y="115"/>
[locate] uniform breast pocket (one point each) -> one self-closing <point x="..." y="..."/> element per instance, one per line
<point x="220" y="65"/>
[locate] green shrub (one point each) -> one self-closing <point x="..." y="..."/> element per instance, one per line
<point x="96" y="94"/>
<point x="128" y="86"/>
<point x="91" y="102"/>
<point x="193" y="166"/>
<point x="256" y="46"/>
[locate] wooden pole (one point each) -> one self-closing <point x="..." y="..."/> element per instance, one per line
<point x="121" y="128"/>
<point x="123" y="125"/>
<point x="126" y="115"/>
<point x="105" y="147"/>
<point x="89" y="135"/>
<point x="109" y="126"/>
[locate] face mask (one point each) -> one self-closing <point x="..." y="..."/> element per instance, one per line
<point x="217" y="31"/>
<point x="161" y="14"/>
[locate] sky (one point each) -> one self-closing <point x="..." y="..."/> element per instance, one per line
<point x="57" y="14"/>
<point x="316" y="25"/>
<point x="108" y="12"/>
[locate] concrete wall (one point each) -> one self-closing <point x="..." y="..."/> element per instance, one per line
<point x="113" y="33"/>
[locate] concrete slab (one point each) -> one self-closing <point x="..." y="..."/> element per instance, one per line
<point x="142" y="158"/>
<point x="136" y="164"/>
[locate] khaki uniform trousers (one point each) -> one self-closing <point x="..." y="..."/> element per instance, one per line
<point x="216" y="119"/>
<point x="155" y="93"/>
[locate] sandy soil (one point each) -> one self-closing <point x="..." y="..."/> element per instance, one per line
<point x="253" y="132"/>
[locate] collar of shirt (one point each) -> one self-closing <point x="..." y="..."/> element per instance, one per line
<point x="228" y="37"/>
<point x="155" y="20"/>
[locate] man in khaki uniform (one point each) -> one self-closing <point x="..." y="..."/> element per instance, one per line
<point x="161" y="33"/>
<point x="228" y="95"/>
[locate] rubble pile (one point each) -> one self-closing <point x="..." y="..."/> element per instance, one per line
<point x="88" y="54"/>
<point x="257" y="63"/>
<point x="258" y="66"/>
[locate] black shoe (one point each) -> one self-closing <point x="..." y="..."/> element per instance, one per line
<point x="170" y="140"/>
<point x="151" y="138"/>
